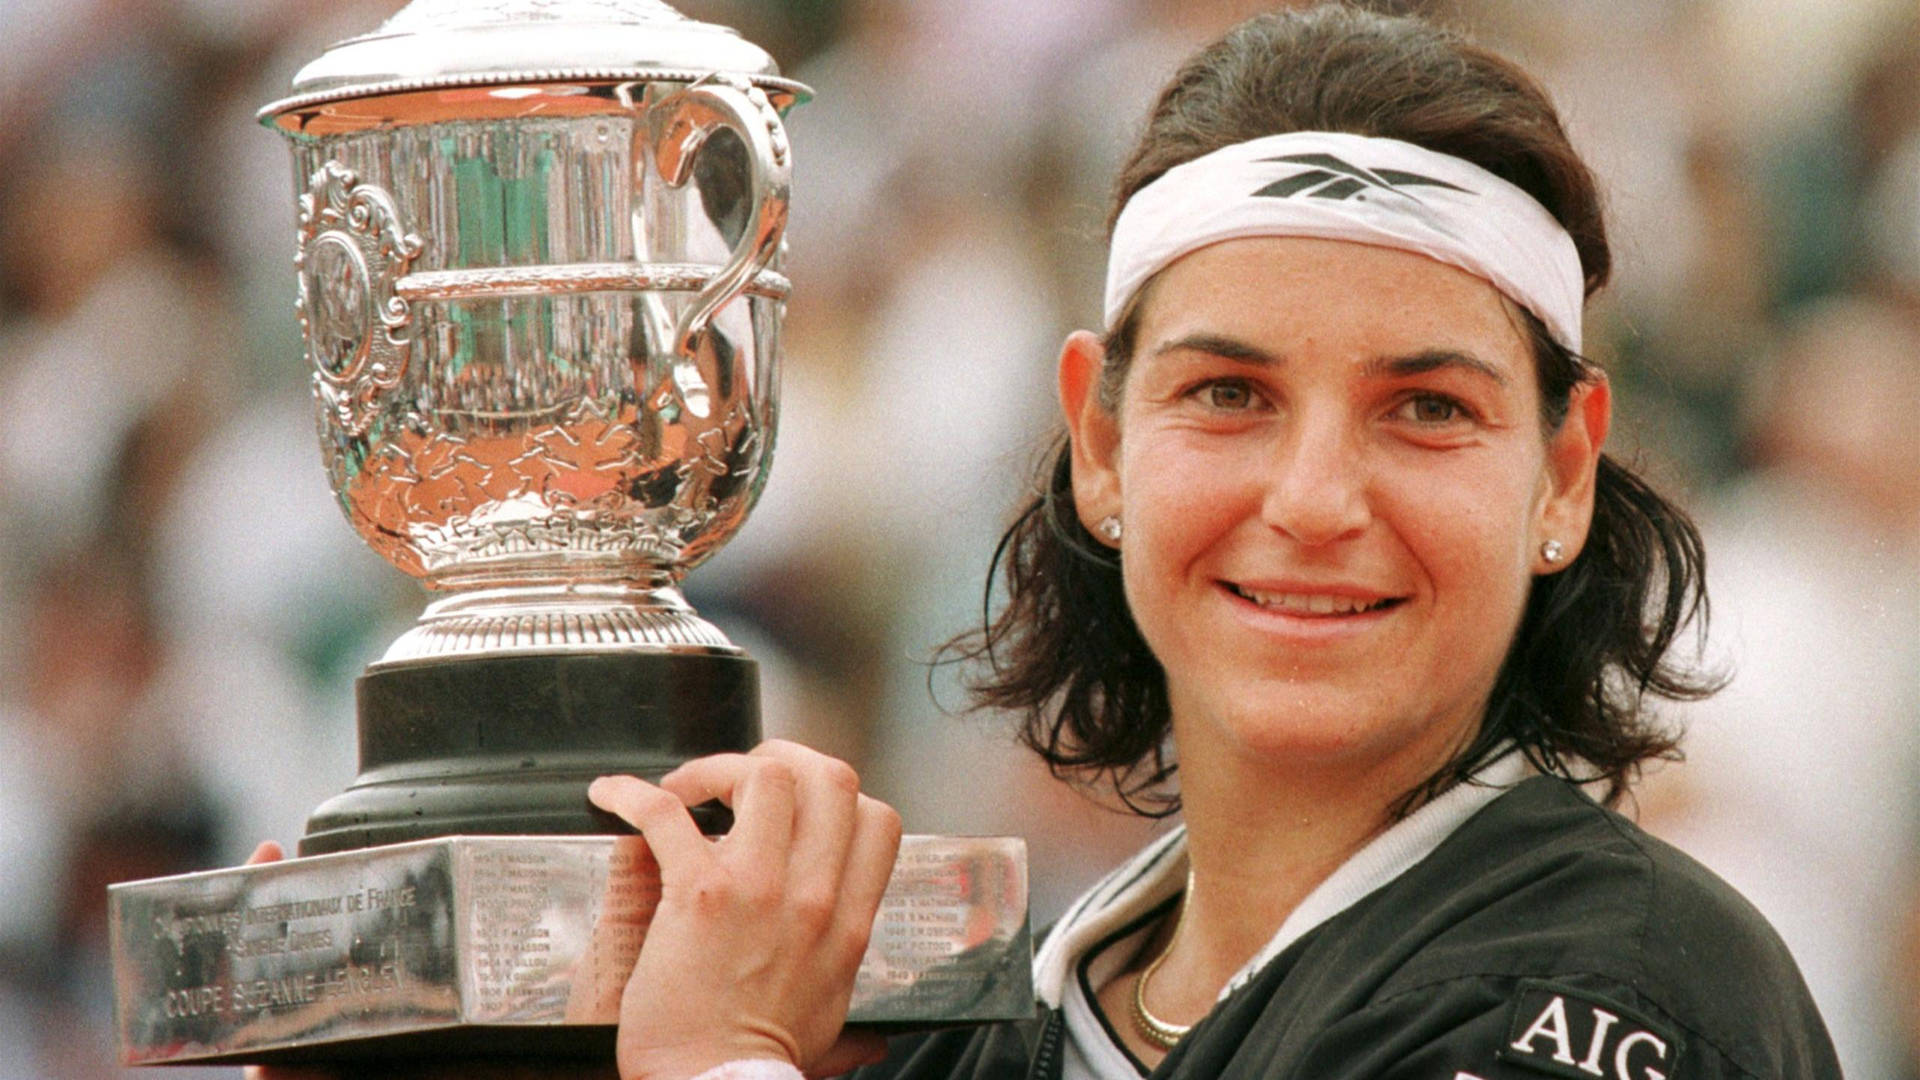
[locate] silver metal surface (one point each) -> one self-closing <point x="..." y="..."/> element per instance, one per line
<point x="535" y="619"/>
<point x="543" y="319"/>
<point x="506" y="281"/>
<point x="491" y="938"/>
<point x="436" y="44"/>
<point x="353" y="252"/>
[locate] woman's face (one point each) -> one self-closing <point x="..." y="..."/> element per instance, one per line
<point x="1334" y="483"/>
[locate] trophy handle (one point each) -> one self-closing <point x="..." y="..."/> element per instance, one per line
<point x="680" y="125"/>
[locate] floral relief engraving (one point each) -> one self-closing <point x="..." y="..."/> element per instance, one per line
<point x="352" y="250"/>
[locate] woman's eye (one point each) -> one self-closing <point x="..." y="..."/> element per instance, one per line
<point x="1433" y="409"/>
<point x="1227" y="395"/>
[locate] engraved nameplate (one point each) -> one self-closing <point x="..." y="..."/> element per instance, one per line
<point x="508" y="945"/>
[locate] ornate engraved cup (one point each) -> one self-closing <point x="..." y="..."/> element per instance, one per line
<point x="539" y="281"/>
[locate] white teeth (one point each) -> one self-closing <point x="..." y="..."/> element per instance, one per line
<point x="1308" y="603"/>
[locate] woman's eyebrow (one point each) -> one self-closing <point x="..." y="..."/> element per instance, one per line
<point x="1433" y="360"/>
<point x="1218" y="345"/>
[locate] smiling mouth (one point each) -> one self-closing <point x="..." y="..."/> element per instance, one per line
<point x="1312" y="604"/>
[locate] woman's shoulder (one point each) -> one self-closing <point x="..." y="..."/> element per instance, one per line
<point x="1578" y="914"/>
<point x="1549" y="862"/>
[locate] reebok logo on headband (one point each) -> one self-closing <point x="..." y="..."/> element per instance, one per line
<point x="1331" y="178"/>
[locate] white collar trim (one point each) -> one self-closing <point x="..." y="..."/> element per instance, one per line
<point x="1160" y="871"/>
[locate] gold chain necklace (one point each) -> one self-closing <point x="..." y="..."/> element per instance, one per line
<point x="1150" y="1027"/>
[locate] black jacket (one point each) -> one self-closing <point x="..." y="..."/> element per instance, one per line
<point x="1546" y="936"/>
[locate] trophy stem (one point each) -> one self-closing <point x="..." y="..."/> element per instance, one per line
<point x="494" y="619"/>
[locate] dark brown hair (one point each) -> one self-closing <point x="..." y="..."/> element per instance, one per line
<point x="1594" y="638"/>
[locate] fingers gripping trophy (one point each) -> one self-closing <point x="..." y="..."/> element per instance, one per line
<point x="539" y="282"/>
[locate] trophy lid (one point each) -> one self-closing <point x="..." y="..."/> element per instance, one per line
<point x="437" y="45"/>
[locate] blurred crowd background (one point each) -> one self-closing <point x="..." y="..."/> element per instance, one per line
<point x="183" y="610"/>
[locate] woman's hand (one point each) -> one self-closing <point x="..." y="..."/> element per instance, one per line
<point x="753" y="949"/>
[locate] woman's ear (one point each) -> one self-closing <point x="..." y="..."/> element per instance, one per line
<point x="1094" y="431"/>
<point x="1573" y="460"/>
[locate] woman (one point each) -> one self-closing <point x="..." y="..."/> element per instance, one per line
<point x="1333" y="527"/>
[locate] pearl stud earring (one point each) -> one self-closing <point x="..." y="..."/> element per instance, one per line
<point x="1553" y="551"/>
<point x="1110" y="528"/>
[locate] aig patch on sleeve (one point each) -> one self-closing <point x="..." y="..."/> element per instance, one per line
<point x="1561" y="1031"/>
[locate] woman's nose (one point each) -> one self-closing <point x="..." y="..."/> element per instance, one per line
<point x="1315" y="487"/>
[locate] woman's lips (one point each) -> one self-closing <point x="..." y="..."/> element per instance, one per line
<point x="1312" y="602"/>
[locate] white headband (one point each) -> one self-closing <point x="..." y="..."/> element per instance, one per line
<point x="1335" y="186"/>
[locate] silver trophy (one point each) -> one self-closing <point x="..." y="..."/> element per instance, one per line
<point x="538" y="266"/>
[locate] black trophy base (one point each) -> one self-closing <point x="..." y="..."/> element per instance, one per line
<point x="506" y="745"/>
